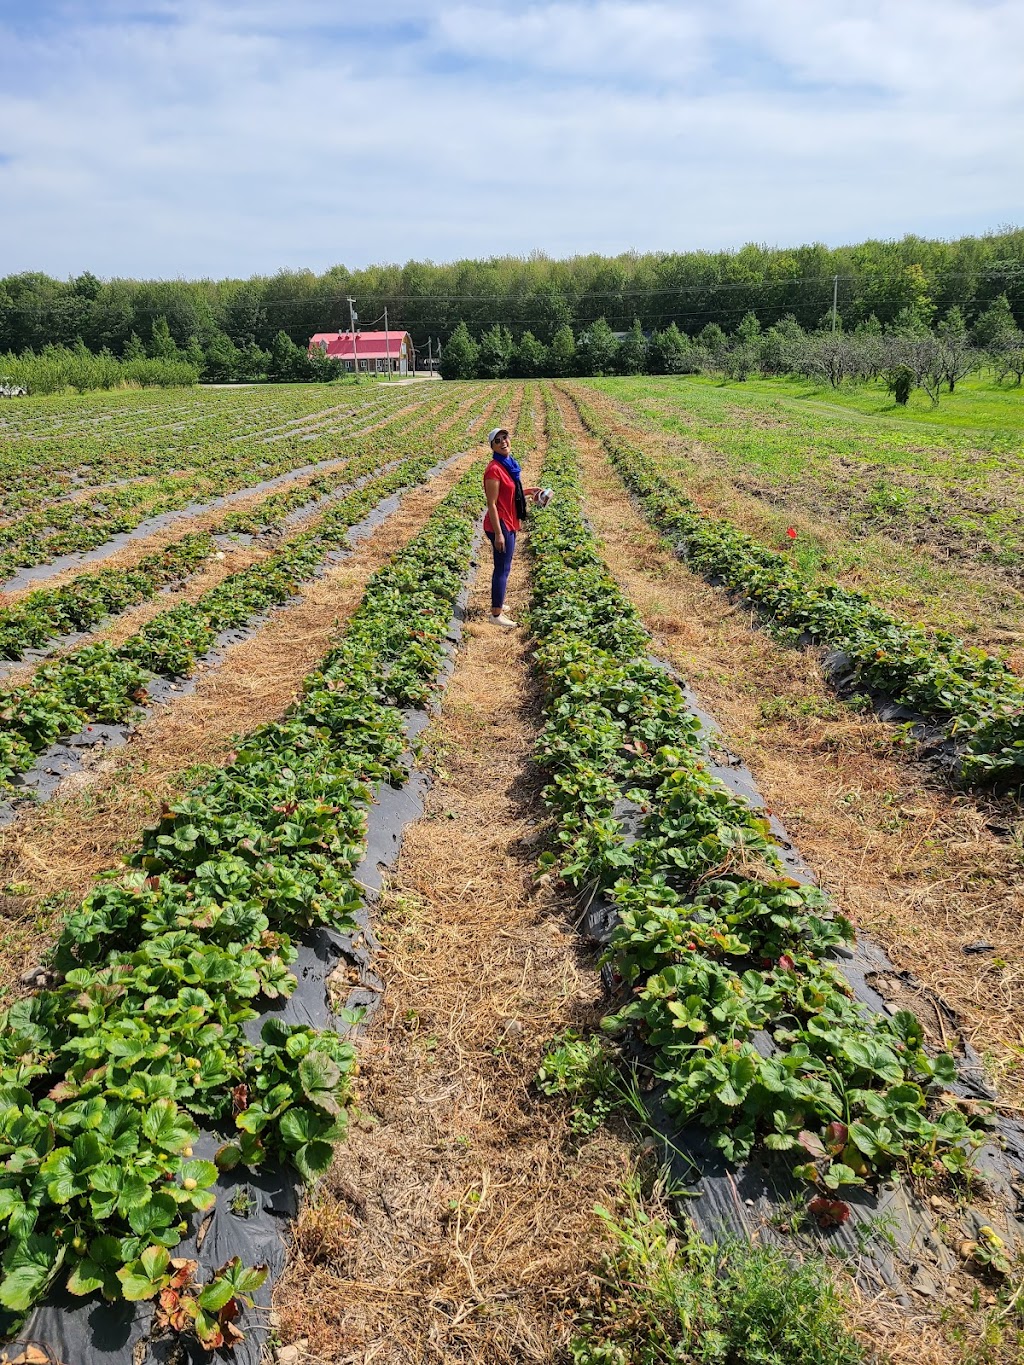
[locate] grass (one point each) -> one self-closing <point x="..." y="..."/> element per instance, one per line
<point x="666" y="1296"/>
<point x="927" y="515"/>
<point x="977" y="405"/>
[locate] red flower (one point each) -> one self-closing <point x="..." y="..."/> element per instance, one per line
<point x="791" y="532"/>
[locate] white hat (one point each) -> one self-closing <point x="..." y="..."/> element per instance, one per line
<point x="496" y="432"/>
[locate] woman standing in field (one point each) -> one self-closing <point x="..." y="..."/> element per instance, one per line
<point x="506" y="507"/>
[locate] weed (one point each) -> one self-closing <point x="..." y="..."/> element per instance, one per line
<point x="667" y="1297"/>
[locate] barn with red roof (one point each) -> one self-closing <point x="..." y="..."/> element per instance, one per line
<point x="371" y="352"/>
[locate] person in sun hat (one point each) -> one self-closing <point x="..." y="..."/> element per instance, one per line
<point x="506" y="508"/>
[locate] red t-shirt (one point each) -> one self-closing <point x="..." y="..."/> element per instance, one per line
<point x="506" y="497"/>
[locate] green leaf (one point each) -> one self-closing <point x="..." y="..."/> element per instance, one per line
<point x="28" y="1268"/>
<point x="204" y="1173"/>
<point x="144" y="1278"/>
<point x="86" y="1277"/>
<point x="216" y="1294"/>
<point x="166" y="1127"/>
<point x="312" y="1159"/>
<point x="319" y="1077"/>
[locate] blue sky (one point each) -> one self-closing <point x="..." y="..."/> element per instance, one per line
<point x="214" y="137"/>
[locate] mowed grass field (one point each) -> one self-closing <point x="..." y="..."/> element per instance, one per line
<point x="923" y="508"/>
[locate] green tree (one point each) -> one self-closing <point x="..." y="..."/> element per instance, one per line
<point x="749" y="329"/>
<point x="460" y="356"/>
<point x="221" y="359"/>
<point x="598" y="349"/>
<point x="287" y="361"/>
<point x="193" y="354"/>
<point x="671" y="352"/>
<point x="162" y="345"/>
<point x="713" y="340"/>
<point x="632" y="358"/>
<point x="253" y="362"/>
<point x="956" y="357"/>
<point x="496" y="347"/>
<point x="529" y="358"/>
<point x="996" y="327"/>
<point x="134" y="349"/>
<point x="323" y="368"/>
<point x="562" y="353"/>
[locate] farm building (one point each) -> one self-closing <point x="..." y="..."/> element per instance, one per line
<point x="383" y="352"/>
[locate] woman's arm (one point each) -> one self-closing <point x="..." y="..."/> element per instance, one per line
<point x="491" y="487"/>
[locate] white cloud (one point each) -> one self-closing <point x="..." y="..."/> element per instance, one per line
<point x="222" y="138"/>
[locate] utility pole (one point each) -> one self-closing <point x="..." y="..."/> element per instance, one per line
<point x="430" y="353"/>
<point x="353" y="319"/>
<point x="835" y="299"/>
<point x="387" y="342"/>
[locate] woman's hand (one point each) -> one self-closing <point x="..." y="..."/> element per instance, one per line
<point x="499" y="541"/>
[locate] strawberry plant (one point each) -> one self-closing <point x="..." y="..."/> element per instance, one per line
<point x="728" y="966"/>
<point x="106" y="1075"/>
<point x="99" y="683"/>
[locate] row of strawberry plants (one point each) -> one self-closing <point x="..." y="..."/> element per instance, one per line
<point x="46" y="614"/>
<point x="213" y="469"/>
<point x="976" y="694"/>
<point x="729" y="965"/>
<point x="62" y="458"/>
<point x="102" y="683"/>
<point x="106" y="1075"/>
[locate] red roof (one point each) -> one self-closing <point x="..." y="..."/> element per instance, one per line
<point x="369" y="345"/>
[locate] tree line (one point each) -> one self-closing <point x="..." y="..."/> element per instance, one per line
<point x="910" y="352"/>
<point x="536" y="294"/>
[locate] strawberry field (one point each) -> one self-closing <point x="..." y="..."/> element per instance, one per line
<point x="355" y="949"/>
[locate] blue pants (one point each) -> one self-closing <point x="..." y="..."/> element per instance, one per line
<point x="502" y="565"/>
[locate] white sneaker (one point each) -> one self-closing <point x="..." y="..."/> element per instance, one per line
<point x="503" y="620"/>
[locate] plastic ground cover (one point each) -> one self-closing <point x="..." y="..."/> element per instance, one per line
<point x="254" y="1208"/>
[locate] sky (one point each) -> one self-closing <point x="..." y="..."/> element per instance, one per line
<point x="193" y="138"/>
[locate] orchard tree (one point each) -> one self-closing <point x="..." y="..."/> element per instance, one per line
<point x="749" y="329"/>
<point x="996" y="326"/>
<point x="670" y="352"/>
<point x="713" y="340"/>
<point x="955" y="353"/>
<point x="460" y="356"/>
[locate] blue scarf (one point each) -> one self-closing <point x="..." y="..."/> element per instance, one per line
<point x="509" y="464"/>
<point x="514" y="470"/>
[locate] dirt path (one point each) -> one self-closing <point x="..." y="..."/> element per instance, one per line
<point x="54" y="853"/>
<point x="925" y="871"/>
<point x="456" y="1222"/>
